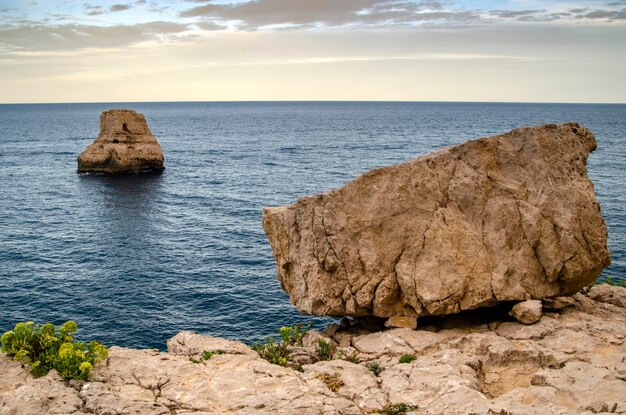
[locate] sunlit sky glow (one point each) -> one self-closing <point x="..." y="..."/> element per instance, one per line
<point x="239" y="50"/>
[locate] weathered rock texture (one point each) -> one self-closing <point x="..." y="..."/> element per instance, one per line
<point x="125" y="145"/>
<point x="570" y="362"/>
<point x="527" y="312"/>
<point x="509" y="217"/>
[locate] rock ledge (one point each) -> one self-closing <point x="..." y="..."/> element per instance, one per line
<point x="572" y="361"/>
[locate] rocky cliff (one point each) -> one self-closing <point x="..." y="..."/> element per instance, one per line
<point x="125" y="145"/>
<point x="572" y="361"/>
<point x="509" y="217"/>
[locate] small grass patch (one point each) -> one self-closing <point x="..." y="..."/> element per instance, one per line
<point x="375" y="368"/>
<point x="615" y="282"/>
<point x="206" y="355"/>
<point x="332" y="381"/>
<point x="325" y="349"/>
<point x="353" y="357"/>
<point x="407" y="358"/>
<point x="396" y="409"/>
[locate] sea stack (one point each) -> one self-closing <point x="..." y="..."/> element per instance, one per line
<point x="512" y="217"/>
<point x="125" y="145"/>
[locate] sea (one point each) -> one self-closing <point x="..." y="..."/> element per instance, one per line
<point x="135" y="259"/>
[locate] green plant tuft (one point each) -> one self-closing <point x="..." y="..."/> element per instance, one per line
<point x="375" y="368"/>
<point x="43" y="348"/>
<point x="615" y="282"/>
<point x="325" y="349"/>
<point x="396" y="409"/>
<point x="407" y="358"/>
<point x="273" y="352"/>
<point x="277" y="351"/>
<point x="293" y="335"/>
<point x="206" y="355"/>
<point x="353" y="357"/>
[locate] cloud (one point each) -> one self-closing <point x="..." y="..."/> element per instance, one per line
<point x="545" y="15"/>
<point x="94" y="10"/>
<point x="515" y="13"/>
<point x="256" y="14"/>
<point x="511" y="62"/>
<point x="31" y="36"/>
<point x="299" y="14"/>
<point x="605" y="14"/>
<point x="120" y="7"/>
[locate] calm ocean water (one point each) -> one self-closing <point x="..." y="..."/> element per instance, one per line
<point x="135" y="259"/>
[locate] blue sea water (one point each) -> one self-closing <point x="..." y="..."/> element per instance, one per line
<point x="135" y="259"/>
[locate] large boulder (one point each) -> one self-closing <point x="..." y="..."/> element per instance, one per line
<point x="509" y="217"/>
<point x="125" y="145"/>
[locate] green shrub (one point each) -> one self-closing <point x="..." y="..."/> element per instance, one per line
<point x="617" y="283"/>
<point x="407" y="358"/>
<point x="293" y="335"/>
<point x="396" y="409"/>
<point x="43" y="348"/>
<point x="353" y="357"/>
<point x="277" y="352"/>
<point x="206" y="355"/>
<point x="325" y="350"/>
<point x="273" y="352"/>
<point x="375" y="368"/>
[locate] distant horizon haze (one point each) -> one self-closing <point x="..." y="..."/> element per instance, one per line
<point x="309" y="101"/>
<point x="301" y="50"/>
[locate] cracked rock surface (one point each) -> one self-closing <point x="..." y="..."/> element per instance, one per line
<point x="572" y="361"/>
<point x="125" y="145"/>
<point x="509" y="217"/>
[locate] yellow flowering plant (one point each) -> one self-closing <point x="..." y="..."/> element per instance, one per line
<point x="45" y="348"/>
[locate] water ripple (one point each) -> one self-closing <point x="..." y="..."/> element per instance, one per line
<point x="135" y="259"/>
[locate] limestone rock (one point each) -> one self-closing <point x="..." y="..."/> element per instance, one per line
<point x="401" y="322"/>
<point x="125" y="145"/>
<point x="504" y="218"/>
<point x="187" y="343"/>
<point x="609" y="294"/>
<point x="570" y="362"/>
<point x="527" y="312"/>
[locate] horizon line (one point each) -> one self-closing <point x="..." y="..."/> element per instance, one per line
<point x="312" y="101"/>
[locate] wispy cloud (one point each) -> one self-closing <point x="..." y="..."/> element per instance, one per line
<point x="96" y="10"/>
<point x="251" y="15"/>
<point x="297" y="14"/>
<point x="572" y="14"/>
<point x="604" y="14"/>
<point x="120" y="7"/>
<point x="36" y="36"/>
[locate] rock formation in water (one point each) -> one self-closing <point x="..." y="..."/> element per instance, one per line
<point x="125" y="145"/>
<point x="509" y="217"/>
<point x="570" y="362"/>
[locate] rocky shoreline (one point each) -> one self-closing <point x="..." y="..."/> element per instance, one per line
<point x="572" y="361"/>
<point x="462" y="271"/>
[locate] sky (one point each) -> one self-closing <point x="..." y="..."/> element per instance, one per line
<point x="265" y="50"/>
